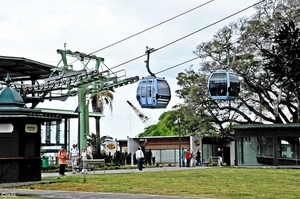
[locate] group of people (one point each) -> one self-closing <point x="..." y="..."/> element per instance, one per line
<point x="142" y="158"/>
<point x="75" y="157"/>
<point x="190" y="158"/>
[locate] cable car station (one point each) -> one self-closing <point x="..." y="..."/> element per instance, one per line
<point x="21" y="122"/>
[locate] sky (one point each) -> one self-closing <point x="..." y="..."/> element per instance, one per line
<point x="35" y="29"/>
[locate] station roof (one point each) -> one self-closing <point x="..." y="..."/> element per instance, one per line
<point x="256" y="126"/>
<point x="20" y="68"/>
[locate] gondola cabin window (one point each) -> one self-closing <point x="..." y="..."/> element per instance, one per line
<point x="149" y="86"/>
<point x="163" y="88"/>
<point x="234" y="88"/>
<point x="143" y="89"/>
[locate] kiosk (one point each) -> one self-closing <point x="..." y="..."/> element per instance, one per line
<point x="20" y="138"/>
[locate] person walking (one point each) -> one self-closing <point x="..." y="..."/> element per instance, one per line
<point x="183" y="157"/>
<point x="62" y="160"/>
<point x="84" y="156"/>
<point x="220" y="155"/>
<point x="198" y="158"/>
<point x="188" y="157"/>
<point x="139" y="155"/>
<point x="193" y="158"/>
<point x="74" y="157"/>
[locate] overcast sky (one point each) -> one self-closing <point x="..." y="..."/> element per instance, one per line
<point x="35" y="29"/>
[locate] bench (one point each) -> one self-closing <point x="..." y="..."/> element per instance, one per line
<point x="93" y="163"/>
<point x="212" y="161"/>
<point x="76" y="167"/>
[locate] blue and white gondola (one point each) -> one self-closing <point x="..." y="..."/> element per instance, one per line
<point x="153" y="92"/>
<point x="223" y="85"/>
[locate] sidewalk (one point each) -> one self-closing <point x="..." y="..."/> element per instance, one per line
<point x="126" y="170"/>
<point x="88" y="195"/>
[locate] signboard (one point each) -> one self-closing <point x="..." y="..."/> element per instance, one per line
<point x="31" y="128"/>
<point x="111" y="146"/>
<point x="6" y="128"/>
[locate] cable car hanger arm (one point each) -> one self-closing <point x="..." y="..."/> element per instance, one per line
<point x="148" y="51"/>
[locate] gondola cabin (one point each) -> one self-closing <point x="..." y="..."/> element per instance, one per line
<point x="223" y="85"/>
<point x="153" y="92"/>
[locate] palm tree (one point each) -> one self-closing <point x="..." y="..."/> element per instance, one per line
<point x="91" y="140"/>
<point x="99" y="100"/>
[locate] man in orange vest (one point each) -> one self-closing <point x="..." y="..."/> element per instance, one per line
<point x="62" y="160"/>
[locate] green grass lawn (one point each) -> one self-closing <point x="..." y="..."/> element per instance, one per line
<point x="215" y="182"/>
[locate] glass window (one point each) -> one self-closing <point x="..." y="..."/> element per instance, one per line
<point x="207" y="151"/>
<point x="234" y="85"/>
<point x="149" y="86"/>
<point x="168" y="156"/>
<point x="255" y="151"/>
<point x="156" y="154"/>
<point x="163" y="88"/>
<point x="288" y="151"/>
<point x="218" y="84"/>
<point x="143" y="89"/>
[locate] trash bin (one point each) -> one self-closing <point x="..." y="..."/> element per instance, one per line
<point x="45" y="162"/>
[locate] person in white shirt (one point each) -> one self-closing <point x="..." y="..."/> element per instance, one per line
<point x="74" y="157"/>
<point x="84" y="156"/>
<point x="139" y="155"/>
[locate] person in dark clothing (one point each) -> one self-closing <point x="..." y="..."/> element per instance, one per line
<point x="149" y="156"/>
<point x="199" y="158"/>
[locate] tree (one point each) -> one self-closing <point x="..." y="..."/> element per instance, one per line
<point x="257" y="101"/>
<point x="163" y="127"/>
<point x="99" y="100"/>
<point x="283" y="62"/>
<point x="92" y="140"/>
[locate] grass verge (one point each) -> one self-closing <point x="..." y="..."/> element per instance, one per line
<point x="203" y="183"/>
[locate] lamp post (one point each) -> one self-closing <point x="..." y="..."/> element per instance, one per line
<point x="77" y="110"/>
<point x="179" y="140"/>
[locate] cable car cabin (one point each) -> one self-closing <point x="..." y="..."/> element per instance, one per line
<point x="223" y="85"/>
<point x="153" y="92"/>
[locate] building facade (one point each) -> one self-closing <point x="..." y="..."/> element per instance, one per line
<point x="267" y="144"/>
<point x="166" y="149"/>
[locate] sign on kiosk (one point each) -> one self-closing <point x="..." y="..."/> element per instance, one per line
<point x="31" y="128"/>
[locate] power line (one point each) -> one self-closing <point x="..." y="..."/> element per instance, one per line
<point x="177" y="65"/>
<point x="152" y="27"/>
<point x="201" y="29"/>
<point x="209" y="25"/>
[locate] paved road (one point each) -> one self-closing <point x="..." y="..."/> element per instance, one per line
<point x="4" y="191"/>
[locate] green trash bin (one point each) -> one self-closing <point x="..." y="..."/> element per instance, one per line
<point x="45" y="162"/>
